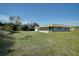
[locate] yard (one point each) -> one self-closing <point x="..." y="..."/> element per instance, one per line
<point x="41" y="44"/>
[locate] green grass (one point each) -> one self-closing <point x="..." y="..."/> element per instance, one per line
<point x="45" y="44"/>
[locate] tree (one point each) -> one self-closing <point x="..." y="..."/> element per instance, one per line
<point x="1" y="23"/>
<point x="16" y="21"/>
<point x="32" y="26"/>
<point x="2" y="26"/>
<point x="25" y="28"/>
<point x="35" y="24"/>
<point x="9" y="26"/>
<point x="75" y="27"/>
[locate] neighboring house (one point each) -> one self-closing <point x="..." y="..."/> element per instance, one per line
<point x="52" y="28"/>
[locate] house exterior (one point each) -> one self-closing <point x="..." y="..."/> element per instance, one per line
<point x="52" y="28"/>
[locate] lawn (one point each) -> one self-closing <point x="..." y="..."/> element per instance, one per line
<point x="44" y="44"/>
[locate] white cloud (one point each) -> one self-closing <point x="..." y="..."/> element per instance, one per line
<point x="4" y="18"/>
<point x="24" y="22"/>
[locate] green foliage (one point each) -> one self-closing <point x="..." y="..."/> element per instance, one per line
<point x="29" y="27"/>
<point x="16" y="21"/>
<point x="15" y="25"/>
<point x="25" y="28"/>
<point x="35" y="24"/>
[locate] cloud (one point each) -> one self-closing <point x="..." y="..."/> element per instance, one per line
<point x="72" y="23"/>
<point x="4" y="18"/>
<point x="24" y="22"/>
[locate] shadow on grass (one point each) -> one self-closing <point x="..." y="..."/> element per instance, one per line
<point x="12" y="32"/>
<point x="6" y="43"/>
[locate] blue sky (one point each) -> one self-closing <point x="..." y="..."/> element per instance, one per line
<point x="41" y="13"/>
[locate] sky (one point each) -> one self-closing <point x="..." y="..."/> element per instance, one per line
<point x="42" y="13"/>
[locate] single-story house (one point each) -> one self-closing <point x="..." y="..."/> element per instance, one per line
<point x="52" y="28"/>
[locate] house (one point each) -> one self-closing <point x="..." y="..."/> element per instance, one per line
<point x="52" y="28"/>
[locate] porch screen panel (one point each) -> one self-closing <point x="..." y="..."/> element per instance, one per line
<point x="44" y="28"/>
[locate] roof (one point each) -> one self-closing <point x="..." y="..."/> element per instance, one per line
<point x="43" y="26"/>
<point x="53" y="25"/>
<point x="56" y="25"/>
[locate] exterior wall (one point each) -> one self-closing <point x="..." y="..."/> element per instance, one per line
<point x="44" y="31"/>
<point x="36" y="29"/>
<point x="43" y="28"/>
<point x="52" y="29"/>
<point x="58" y="29"/>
